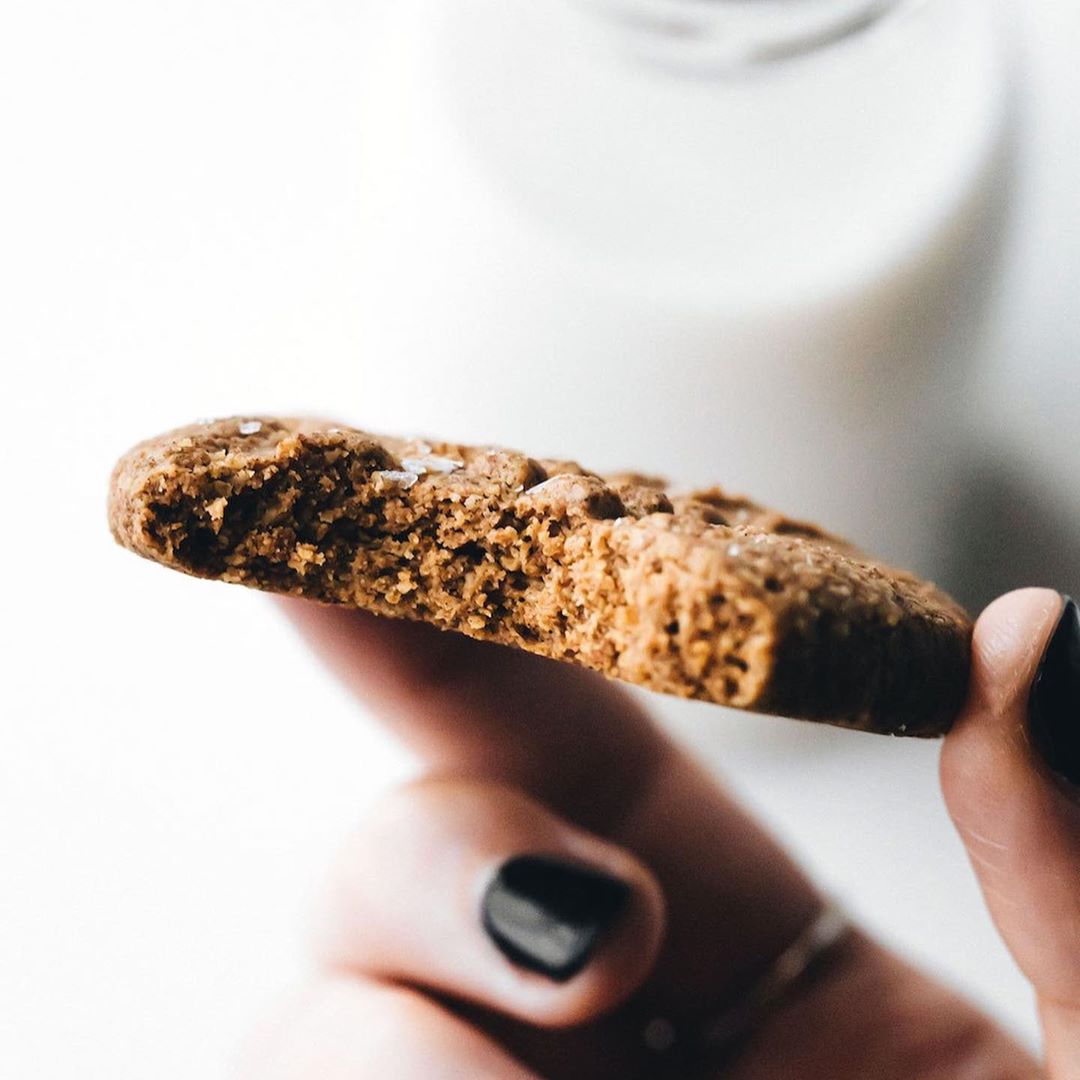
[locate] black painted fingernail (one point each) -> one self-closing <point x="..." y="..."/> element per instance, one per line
<point x="546" y="915"/>
<point x="1055" y="698"/>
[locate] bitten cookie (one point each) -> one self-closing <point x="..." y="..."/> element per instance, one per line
<point x="701" y="595"/>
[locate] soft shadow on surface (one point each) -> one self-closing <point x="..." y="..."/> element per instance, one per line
<point x="1010" y="529"/>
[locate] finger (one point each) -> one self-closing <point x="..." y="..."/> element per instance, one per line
<point x="350" y="1029"/>
<point x="582" y="746"/>
<point x="1019" y="819"/>
<point x="734" y="899"/>
<point x="465" y="705"/>
<point x="490" y="897"/>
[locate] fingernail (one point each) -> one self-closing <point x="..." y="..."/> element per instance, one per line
<point x="547" y="915"/>
<point x="1055" y="698"/>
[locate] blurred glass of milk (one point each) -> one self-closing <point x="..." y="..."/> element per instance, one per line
<point x="746" y="241"/>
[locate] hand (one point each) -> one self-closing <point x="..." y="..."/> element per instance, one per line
<point x="689" y="900"/>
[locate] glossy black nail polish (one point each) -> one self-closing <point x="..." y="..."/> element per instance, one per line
<point x="546" y="915"/>
<point x="1055" y="698"/>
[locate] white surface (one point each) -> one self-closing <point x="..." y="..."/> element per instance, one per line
<point x="180" y="193"/>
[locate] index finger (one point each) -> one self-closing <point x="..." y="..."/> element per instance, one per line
<point x="734" y="900"/>
<point x="582" y="746"/>
<point x="566" y="735"/>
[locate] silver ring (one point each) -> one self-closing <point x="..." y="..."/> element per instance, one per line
<point x="719" y="1034"/>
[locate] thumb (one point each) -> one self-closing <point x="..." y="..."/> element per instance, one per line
<point x="1010" y="772"/>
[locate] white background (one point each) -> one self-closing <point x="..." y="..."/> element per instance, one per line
<point x="179" y="227"/>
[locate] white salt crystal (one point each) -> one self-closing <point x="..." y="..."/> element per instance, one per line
<point x="400" y="477"/>
<point x="431" y="463"/>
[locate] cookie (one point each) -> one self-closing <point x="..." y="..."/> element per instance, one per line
<point x="703" y="595"/>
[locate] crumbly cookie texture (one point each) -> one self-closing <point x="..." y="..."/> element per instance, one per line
<point x="702" y="595"/>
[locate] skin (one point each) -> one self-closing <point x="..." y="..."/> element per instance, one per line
<point x="528" y="756"/>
